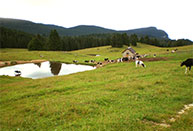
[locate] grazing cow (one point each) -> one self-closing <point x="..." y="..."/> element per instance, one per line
<point x="92" y="61"/>
<point x="133" y="57"/>
<point x="106" y="59"/>
<point x="125" y="59"/>
<point x="140" y="63"/>
<point x="17" y="73"/>
<point x="187" y="63"/>
<point x="75" y="61"/>
<point x="100" y="63"/>
<point x="173" y="51"/>
<point x="137" y="57"/>
<point x="112" y="61"/>
<point x="86" y="61"/>
<point x="119" y="60"/>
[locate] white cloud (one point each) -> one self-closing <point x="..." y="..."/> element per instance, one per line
<point x="173" y="16"/>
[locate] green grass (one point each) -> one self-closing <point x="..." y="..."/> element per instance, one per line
<point x="82" y="55"/>
<point x="115" y="97"/>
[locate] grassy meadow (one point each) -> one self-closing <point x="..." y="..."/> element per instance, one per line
<point x="117" y="97"/>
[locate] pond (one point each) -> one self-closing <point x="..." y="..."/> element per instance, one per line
<point x="44" y="69"/>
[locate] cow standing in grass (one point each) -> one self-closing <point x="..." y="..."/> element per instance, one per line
<point x="75" y="61"/>
<point x="140" y="63"/>
<point x="187" y="63"/>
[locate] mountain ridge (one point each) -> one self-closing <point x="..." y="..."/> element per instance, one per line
<point x="40" y="28"/>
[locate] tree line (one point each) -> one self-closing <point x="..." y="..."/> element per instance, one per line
<point x="17" y="39"/>
<point x="10" y="38"/>
<point x="165" y="43"/>
<point x="68" y="43"/>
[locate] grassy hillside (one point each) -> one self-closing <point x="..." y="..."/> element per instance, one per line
<point x="118" y="96"/>
<point x="86" y="54"/>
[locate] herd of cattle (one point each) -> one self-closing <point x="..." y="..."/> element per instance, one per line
<point x="107" y="60"/>
<point x="123" y="59"/>
<point x="188" y="63"/>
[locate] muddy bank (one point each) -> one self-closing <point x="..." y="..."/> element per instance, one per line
<point x="9" y="63"/>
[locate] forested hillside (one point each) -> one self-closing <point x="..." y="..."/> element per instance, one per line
<point x="34" y="36"/>
<point x="43" y="29"/>
<point x="18" y="39"/>
<point x="13" y="38"/>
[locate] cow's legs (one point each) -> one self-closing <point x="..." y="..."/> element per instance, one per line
<point x="186" y="70"/>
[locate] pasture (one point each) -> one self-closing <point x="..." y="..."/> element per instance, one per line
<point x="118" y="96"/>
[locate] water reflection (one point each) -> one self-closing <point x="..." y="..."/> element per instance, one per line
<point x="55" y="67"/>
<point x="44" y="69"/>
<point x="38" y="64"/>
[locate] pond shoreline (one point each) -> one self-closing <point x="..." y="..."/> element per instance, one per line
<point x="10" y="63"/>
<point x="39" y="69"/>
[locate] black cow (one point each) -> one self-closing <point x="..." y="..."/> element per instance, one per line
<point x="106" y="59"/>
<point x="125" y="59"/>
<point x="187" y="63"/>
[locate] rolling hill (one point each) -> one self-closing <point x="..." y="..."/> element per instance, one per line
<point x="35" y="28"/>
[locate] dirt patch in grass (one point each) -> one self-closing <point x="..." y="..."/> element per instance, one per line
<point x="154" y="59"/>
<point x="9" y="63"/>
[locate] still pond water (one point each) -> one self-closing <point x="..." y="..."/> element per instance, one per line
<point x="44" y="69"/>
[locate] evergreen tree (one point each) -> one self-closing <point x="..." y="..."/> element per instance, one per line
<point x="134" y="39"/>
<point x="36" y="43"/>
<point x="108" y="41"/>
<point x="13" y="39"/>
<point x="117" y="40"/>
<point x="54" y="42"/>
<point x="146" y="40"/>
<point x="142" y="40"/>
<point x="125" y="39"/>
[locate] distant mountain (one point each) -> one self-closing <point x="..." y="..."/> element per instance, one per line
<point x="149" y="31"/>
<point x="35" y="28"/>
<point x="86" y="30"/>
<point x="30" y="27"/>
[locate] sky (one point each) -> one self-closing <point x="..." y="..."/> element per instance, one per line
<point x="172" y="16"/>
